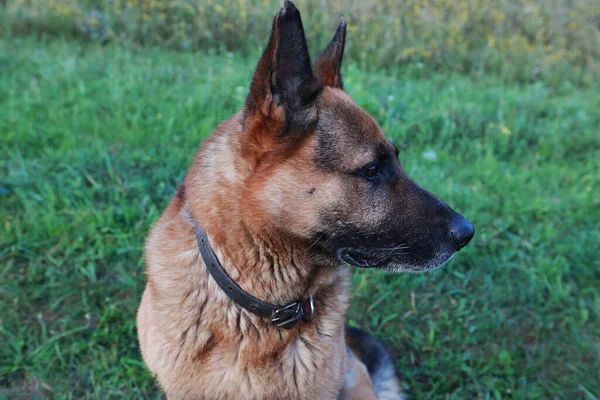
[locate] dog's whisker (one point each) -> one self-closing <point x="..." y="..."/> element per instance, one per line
<point x="315" y="242"/>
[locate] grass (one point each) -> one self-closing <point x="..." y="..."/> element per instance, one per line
<point x="94" y="140"/>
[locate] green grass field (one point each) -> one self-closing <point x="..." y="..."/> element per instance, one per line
<point x="94" y="141"/>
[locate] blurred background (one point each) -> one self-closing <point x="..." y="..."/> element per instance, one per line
<point x="520" y="40"/>
<point x="495" y="106"/>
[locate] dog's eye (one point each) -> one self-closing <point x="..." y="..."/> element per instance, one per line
<point x="372" y="171"/>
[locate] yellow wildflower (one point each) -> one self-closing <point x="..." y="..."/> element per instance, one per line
<point x="505" y="131"/>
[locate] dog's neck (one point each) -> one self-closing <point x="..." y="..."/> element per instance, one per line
<point x="266" y="263"/>
<point x="270" y="266"/>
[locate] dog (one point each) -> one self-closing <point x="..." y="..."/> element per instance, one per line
<point x="247" y="283"/>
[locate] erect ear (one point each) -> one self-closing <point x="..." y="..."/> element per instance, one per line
<point x="284" y="88"/>
<point x="328" y="65"/>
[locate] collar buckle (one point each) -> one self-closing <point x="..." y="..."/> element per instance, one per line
<point x="288" y="316"/>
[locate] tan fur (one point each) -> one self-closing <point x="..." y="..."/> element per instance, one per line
<point x="194" y="339"/>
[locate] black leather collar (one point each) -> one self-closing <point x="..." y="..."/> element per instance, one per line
<point x="284" y="317"/>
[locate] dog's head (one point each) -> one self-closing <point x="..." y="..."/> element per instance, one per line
<point x="323" y="171"/>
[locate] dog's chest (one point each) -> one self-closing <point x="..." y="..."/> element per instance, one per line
<point x="303" y="370"/>
<point x="306" y="368"/>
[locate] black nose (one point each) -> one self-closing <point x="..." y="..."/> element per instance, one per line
<point x="462" y="231"/>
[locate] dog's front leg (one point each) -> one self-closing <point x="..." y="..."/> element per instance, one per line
<point x="357" y="382"/>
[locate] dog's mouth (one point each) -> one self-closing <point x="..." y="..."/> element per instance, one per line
<point x="361" y="259"/>
<point x="395" y="261"/>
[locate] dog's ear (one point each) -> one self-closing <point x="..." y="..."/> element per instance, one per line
<point x="284" y="88"/>
<point x="328" y="65"/>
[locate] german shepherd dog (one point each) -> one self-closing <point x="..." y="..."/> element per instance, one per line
<point x="247" y="290"/>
